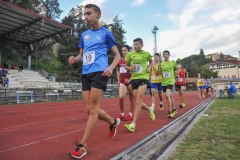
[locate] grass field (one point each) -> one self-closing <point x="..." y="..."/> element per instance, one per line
<point x="216" y="136"/>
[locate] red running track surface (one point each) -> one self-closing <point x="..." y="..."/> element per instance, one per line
<point x="47" y="131"/>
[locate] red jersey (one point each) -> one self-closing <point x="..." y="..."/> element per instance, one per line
<point x="123" y="72"/>
<point x="180" y="79"/>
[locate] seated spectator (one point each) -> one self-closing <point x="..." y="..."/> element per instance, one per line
<point x="231" y="90"/>
<point x="20" y="68"/>
<point x="5" y="81"/>
<point x="12" y="67"/>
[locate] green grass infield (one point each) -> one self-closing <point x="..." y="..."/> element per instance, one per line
<point x="215" y="136"/>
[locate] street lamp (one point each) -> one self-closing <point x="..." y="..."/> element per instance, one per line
<point x="154" y="31"/>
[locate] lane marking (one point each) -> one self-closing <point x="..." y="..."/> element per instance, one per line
<point x="46" y="139"/>
<point x="29" y="124"/>
<point x="25" y="145"/>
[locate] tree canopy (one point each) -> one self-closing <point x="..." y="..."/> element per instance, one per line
<point x="193" y="64"/>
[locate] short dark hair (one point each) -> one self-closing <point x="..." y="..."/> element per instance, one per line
<point x="166" y="51"/>
<point x="138" y="40"/>
<point x="127" y="46"/>
<point x="94" y="7"/>
<point x="156" y="54"/>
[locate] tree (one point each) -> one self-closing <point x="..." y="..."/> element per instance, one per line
<point x="118" y="32"/>
<point x="178" y="60"/>
<point x="207" y="73"/>
<point x="53" y="10"/>
<point x="221" y="56"/>
<point x="190" y="63"/>
<point x="202" y="59"/>
<point x="31" y="5"/>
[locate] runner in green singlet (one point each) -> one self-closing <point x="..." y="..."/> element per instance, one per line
<point x="168" y="81"/>
<point x="137" y="62"/>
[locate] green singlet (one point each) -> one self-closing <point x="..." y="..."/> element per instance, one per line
<point x="140" y="59"/>
<point x="168" y="74"/>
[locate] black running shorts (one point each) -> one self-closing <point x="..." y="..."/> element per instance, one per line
<point x="95" y="80"/>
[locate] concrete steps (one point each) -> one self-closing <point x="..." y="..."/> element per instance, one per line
<point x="30" y="79"/>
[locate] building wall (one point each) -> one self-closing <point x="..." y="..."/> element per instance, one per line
<point x="229" y="73"/>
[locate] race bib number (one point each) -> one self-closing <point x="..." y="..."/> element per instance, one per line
<point x="155" y="77"/>
<point x="122" y="70"/>
<point x="138" y="68"/>
<point x="88" y="57"/>
<point x="166" y="74"/>
<point x="180" y="79"/>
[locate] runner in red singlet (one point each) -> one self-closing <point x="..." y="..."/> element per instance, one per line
<point x="181" y="78"/>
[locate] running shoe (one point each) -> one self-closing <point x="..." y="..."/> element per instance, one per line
<point x="113" y="128"/>
<point x="152" y="113"/>
<point x="170" y="115"/>
<point x="79" y="152"/>
<point x="128" y="118"/>
<point x="161" y="107"/>
<point x="130" y="127"/>
<point x="182" y="105"/>
<point x="174" y="112"/>
<point x="120" y="117"/>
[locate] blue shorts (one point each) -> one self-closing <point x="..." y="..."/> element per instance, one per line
<point x="157" y="86"/>
<point x="201" y="87"/>
<point x="204" y="87"/>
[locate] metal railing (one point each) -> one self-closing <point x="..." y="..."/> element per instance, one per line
<point x="9" y="95"/>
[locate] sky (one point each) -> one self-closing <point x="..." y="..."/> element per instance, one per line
<point x="185" y="26"/>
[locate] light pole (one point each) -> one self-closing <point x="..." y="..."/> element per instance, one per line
<point x="238" y="65"/>
<point x="154" y="31"/>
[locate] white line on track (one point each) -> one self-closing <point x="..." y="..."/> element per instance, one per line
<point x="46" y="139"/>
<point x="28" y="144"/>
<point x="28" y="124"/>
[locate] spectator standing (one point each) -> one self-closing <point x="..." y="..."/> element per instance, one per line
<point x="20" y="68"/>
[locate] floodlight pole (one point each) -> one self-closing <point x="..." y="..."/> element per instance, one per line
<point x="154" y="31"/>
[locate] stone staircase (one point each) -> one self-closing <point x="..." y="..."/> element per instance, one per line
<point x="30" y="79"/>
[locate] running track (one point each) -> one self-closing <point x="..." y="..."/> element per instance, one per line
<point x="47" y="131"/>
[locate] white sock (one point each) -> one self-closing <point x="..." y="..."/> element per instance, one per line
<point x="153" y="104"/>
<point x="122" y="114"/>
<point x="161" y="102"/>
<point x="130" y="113"/>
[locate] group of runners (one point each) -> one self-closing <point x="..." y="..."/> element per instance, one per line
<point x="137" y="71"/>
<point x="205" y="89"/>
<point x="134" y="70"/>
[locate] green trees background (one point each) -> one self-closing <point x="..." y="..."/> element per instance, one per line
<point x="195" y="64"/>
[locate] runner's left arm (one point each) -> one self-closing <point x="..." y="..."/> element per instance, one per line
<point x="117" y="58"/>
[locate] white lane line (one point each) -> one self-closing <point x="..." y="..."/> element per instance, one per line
<point x="28" y="144"/>
<point x="9" y="128"/>
<point x="64" y="134"/>
<point x="46" y="139"/>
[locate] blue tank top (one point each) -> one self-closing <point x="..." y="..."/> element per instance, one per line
<point x="95" y="44"/>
